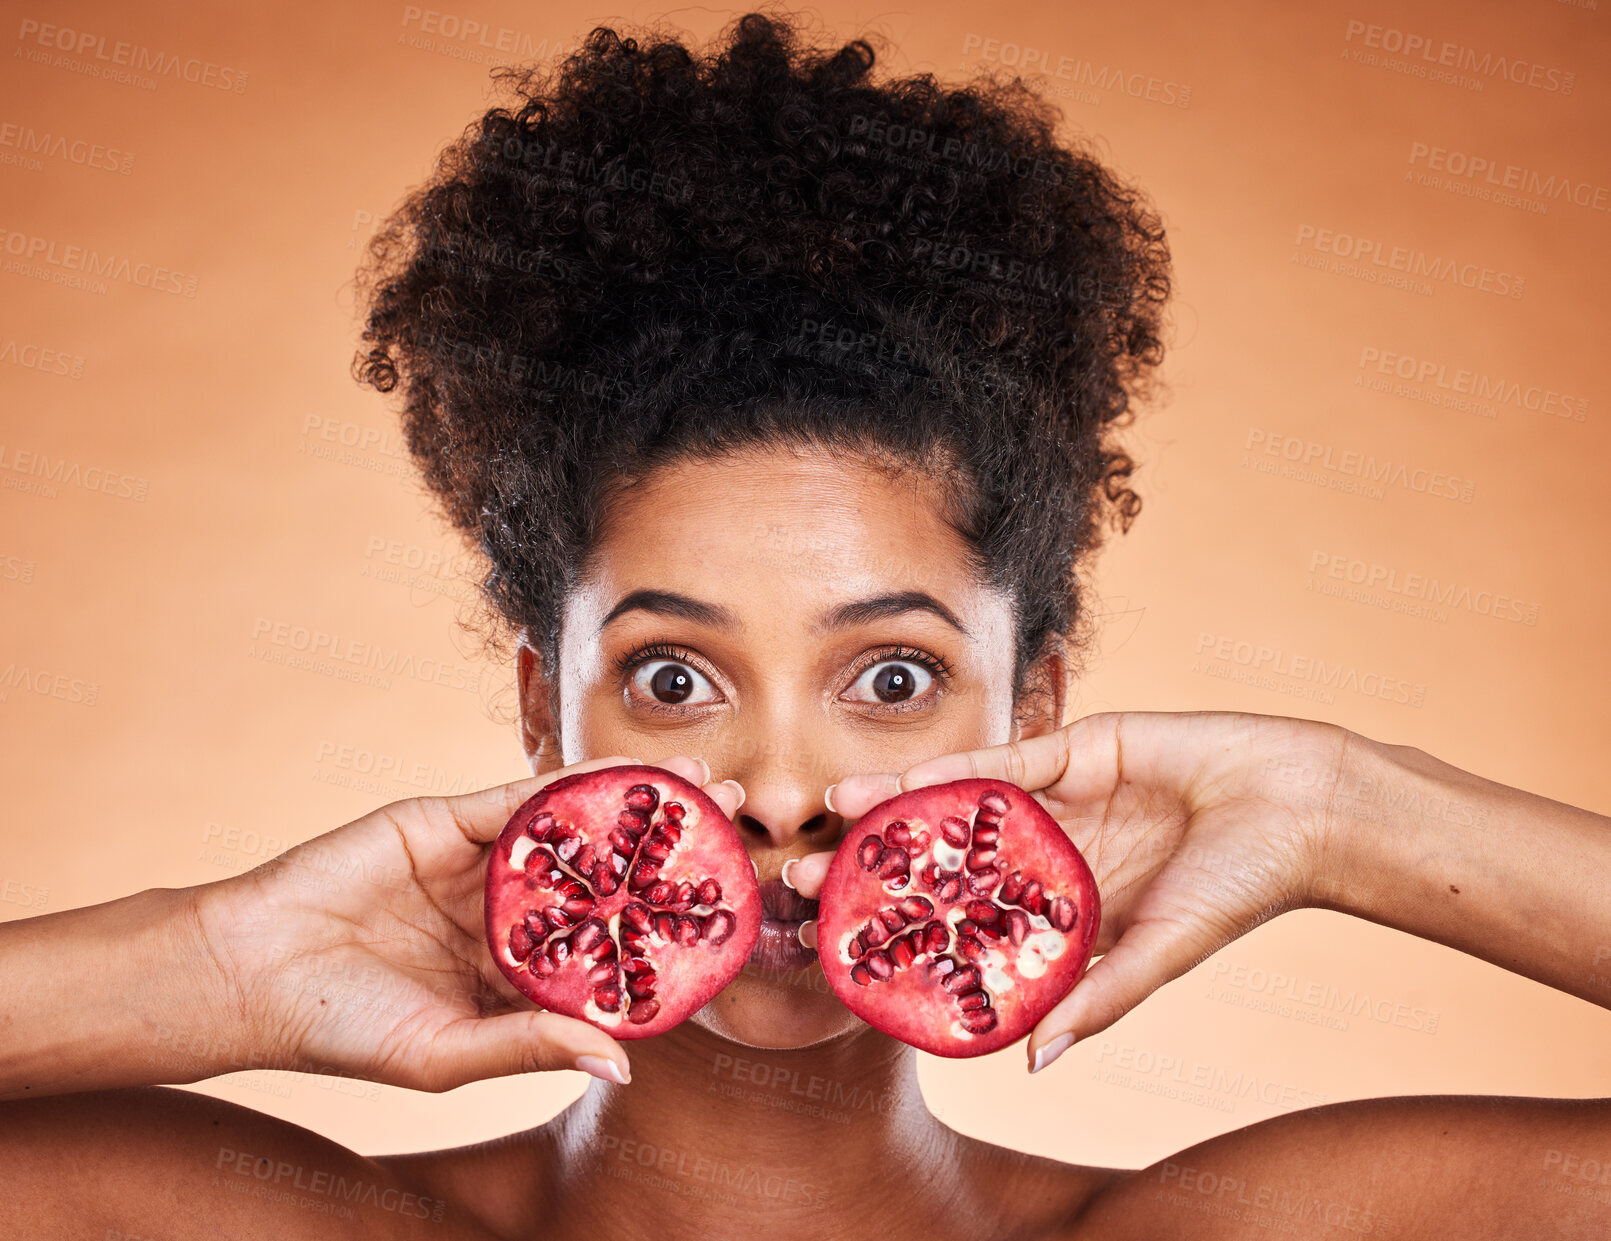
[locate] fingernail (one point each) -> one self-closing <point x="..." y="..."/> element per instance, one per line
<point x="784" y="873"/>
<point x="706" y="766"/>
<point x="603" y="1068"/>
<point x="827" y="798"/>
<point x="737" y="788"/>
<point x="807" y="934"/>
<point x="1051" y="1051"/>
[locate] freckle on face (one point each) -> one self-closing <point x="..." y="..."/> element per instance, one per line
<point x="777" y="540"/>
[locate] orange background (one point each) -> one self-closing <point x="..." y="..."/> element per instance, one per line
<point x="277" y="491"/>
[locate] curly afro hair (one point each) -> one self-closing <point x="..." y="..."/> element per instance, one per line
<point x="660" y="254"/>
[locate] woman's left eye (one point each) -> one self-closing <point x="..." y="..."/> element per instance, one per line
<point x="894" y="680"/>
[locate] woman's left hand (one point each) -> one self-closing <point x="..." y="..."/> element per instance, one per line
<point x="1191" y="837"/>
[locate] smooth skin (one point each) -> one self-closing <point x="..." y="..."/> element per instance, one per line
<point x="784" y="586"/>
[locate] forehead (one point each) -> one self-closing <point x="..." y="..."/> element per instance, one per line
<point x="758" y="524"/>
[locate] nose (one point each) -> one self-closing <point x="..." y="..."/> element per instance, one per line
<point x="784" y="805"/>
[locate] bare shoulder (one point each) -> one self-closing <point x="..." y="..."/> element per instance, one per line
<point x="159" y="1162"/>
<point x="1465" y="1167"/>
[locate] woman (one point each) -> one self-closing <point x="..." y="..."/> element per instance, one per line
<point x="779" y="401"/>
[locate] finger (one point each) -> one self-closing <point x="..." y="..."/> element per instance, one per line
<point x="481" y="815"/>
<point x="1033" y="763"/>
<point x="729" y="795"/>
<point x="1148" y="955"/>
<point x="855" y="795"/>
<point x="476" y="1048"/>
<point x="806" y="874"/>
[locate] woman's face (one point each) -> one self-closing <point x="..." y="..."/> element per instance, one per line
<point x="790" y="618"/>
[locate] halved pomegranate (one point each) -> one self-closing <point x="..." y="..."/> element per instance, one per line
<point x="623" y="897"/>
<point x="955" y="917"/>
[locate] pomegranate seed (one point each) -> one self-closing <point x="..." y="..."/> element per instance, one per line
<point x="686" y="892"/>
<point x="644" y="1010"/>
<point x="901" y="953"/>
<point x="719" y="926"/>
<point x="985" y="834"/>
<point x="874" y="934"/>
<point x="869" y="851"/>
<point x="950" y="889"/>
<point x="897" y="833"/>
<point x="979" y="858"/>
<point x="633" y="966"/>
<point x="967" y="926"/>
<point x="637" y="916"/>
<point x="603" y="972"/>
<point x="856" y="948"/>
<point x="541" y="823"/>
<point x="979" y="1021"/>
<point x="964" y="979"/>
<point x="660" y="892"/>
<point x="954" y="830"/>
<point x="970" y="947"/>
<point x="917" y="908"/>
<point x="535" y="926"/>
<point x="994" y="802"/>
<point x="982" y="911"/>
<point x="608" y="999"/>
<point x="642" y="876"/>
<point x="566" y="843"/>
<point x="642" y="986"/>
<point x="541" y="865"/>
<point x="710" y="892"/>
<point x="687" y="931"/>
<point x="644" y="797"/>
<point x="540" y="965"/>
<point x="585" y="857"/>
<point x="559" y="951"/>
<point x="983" y="882"/>
<point x="1063" y="915"/>
<point x="879" y="965"/>
<point x="578" y="907"/>
<point x="1012" y="887"/>
<point x="892" y="919"/>
<point x="990" y="932"/>
<point x="557" y="917"/>
<point x="630" y="824"/>
<point x="520" y="943"/>
<point x="920" y="843"/>
<point x="665" y="926"/>
<point x="930" y="874"/>
<point x="589" y="935"/>
<point x="656" y="850"/>
<point x="1017" y="925"/>
<point x="935" y="937"/>
<point x="859" y="975"/>
<point x="604" y="883"/>
<point x="973" y="1000"/>
<point x="893" y="862"/>
<point x="1034" y="898"/>
<point x="941" y="967"/>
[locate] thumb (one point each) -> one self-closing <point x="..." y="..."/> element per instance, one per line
<point x="1147" y="955"/>
<point x="475" y="1048"/>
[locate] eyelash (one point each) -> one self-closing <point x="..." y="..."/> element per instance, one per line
<point x="939" y="666"/>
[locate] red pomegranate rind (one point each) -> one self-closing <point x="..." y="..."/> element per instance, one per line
<point x="955" y="917"/>
<point x="623" y="897"/>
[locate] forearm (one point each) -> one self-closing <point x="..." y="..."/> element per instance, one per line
<point x="1505" y="875"/>
<point x="113" y="995"/>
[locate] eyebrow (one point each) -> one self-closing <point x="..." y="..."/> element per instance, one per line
<point x="669" y="603"/>
<point x="856" y="612"/>
<point x="881" y="607"/>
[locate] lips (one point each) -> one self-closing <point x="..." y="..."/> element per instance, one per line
<point x="782" y="911"/>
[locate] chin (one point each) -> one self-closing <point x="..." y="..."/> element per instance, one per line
<point x="778" y="1010"/>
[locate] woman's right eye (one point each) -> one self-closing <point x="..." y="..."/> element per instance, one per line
<point x="673" y="683"/>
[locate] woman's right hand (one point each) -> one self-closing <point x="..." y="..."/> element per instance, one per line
<point x="363" y="951"/>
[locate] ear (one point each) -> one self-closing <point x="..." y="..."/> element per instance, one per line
<point x="1045" y="695"/>
<point x="538" y="736"/>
